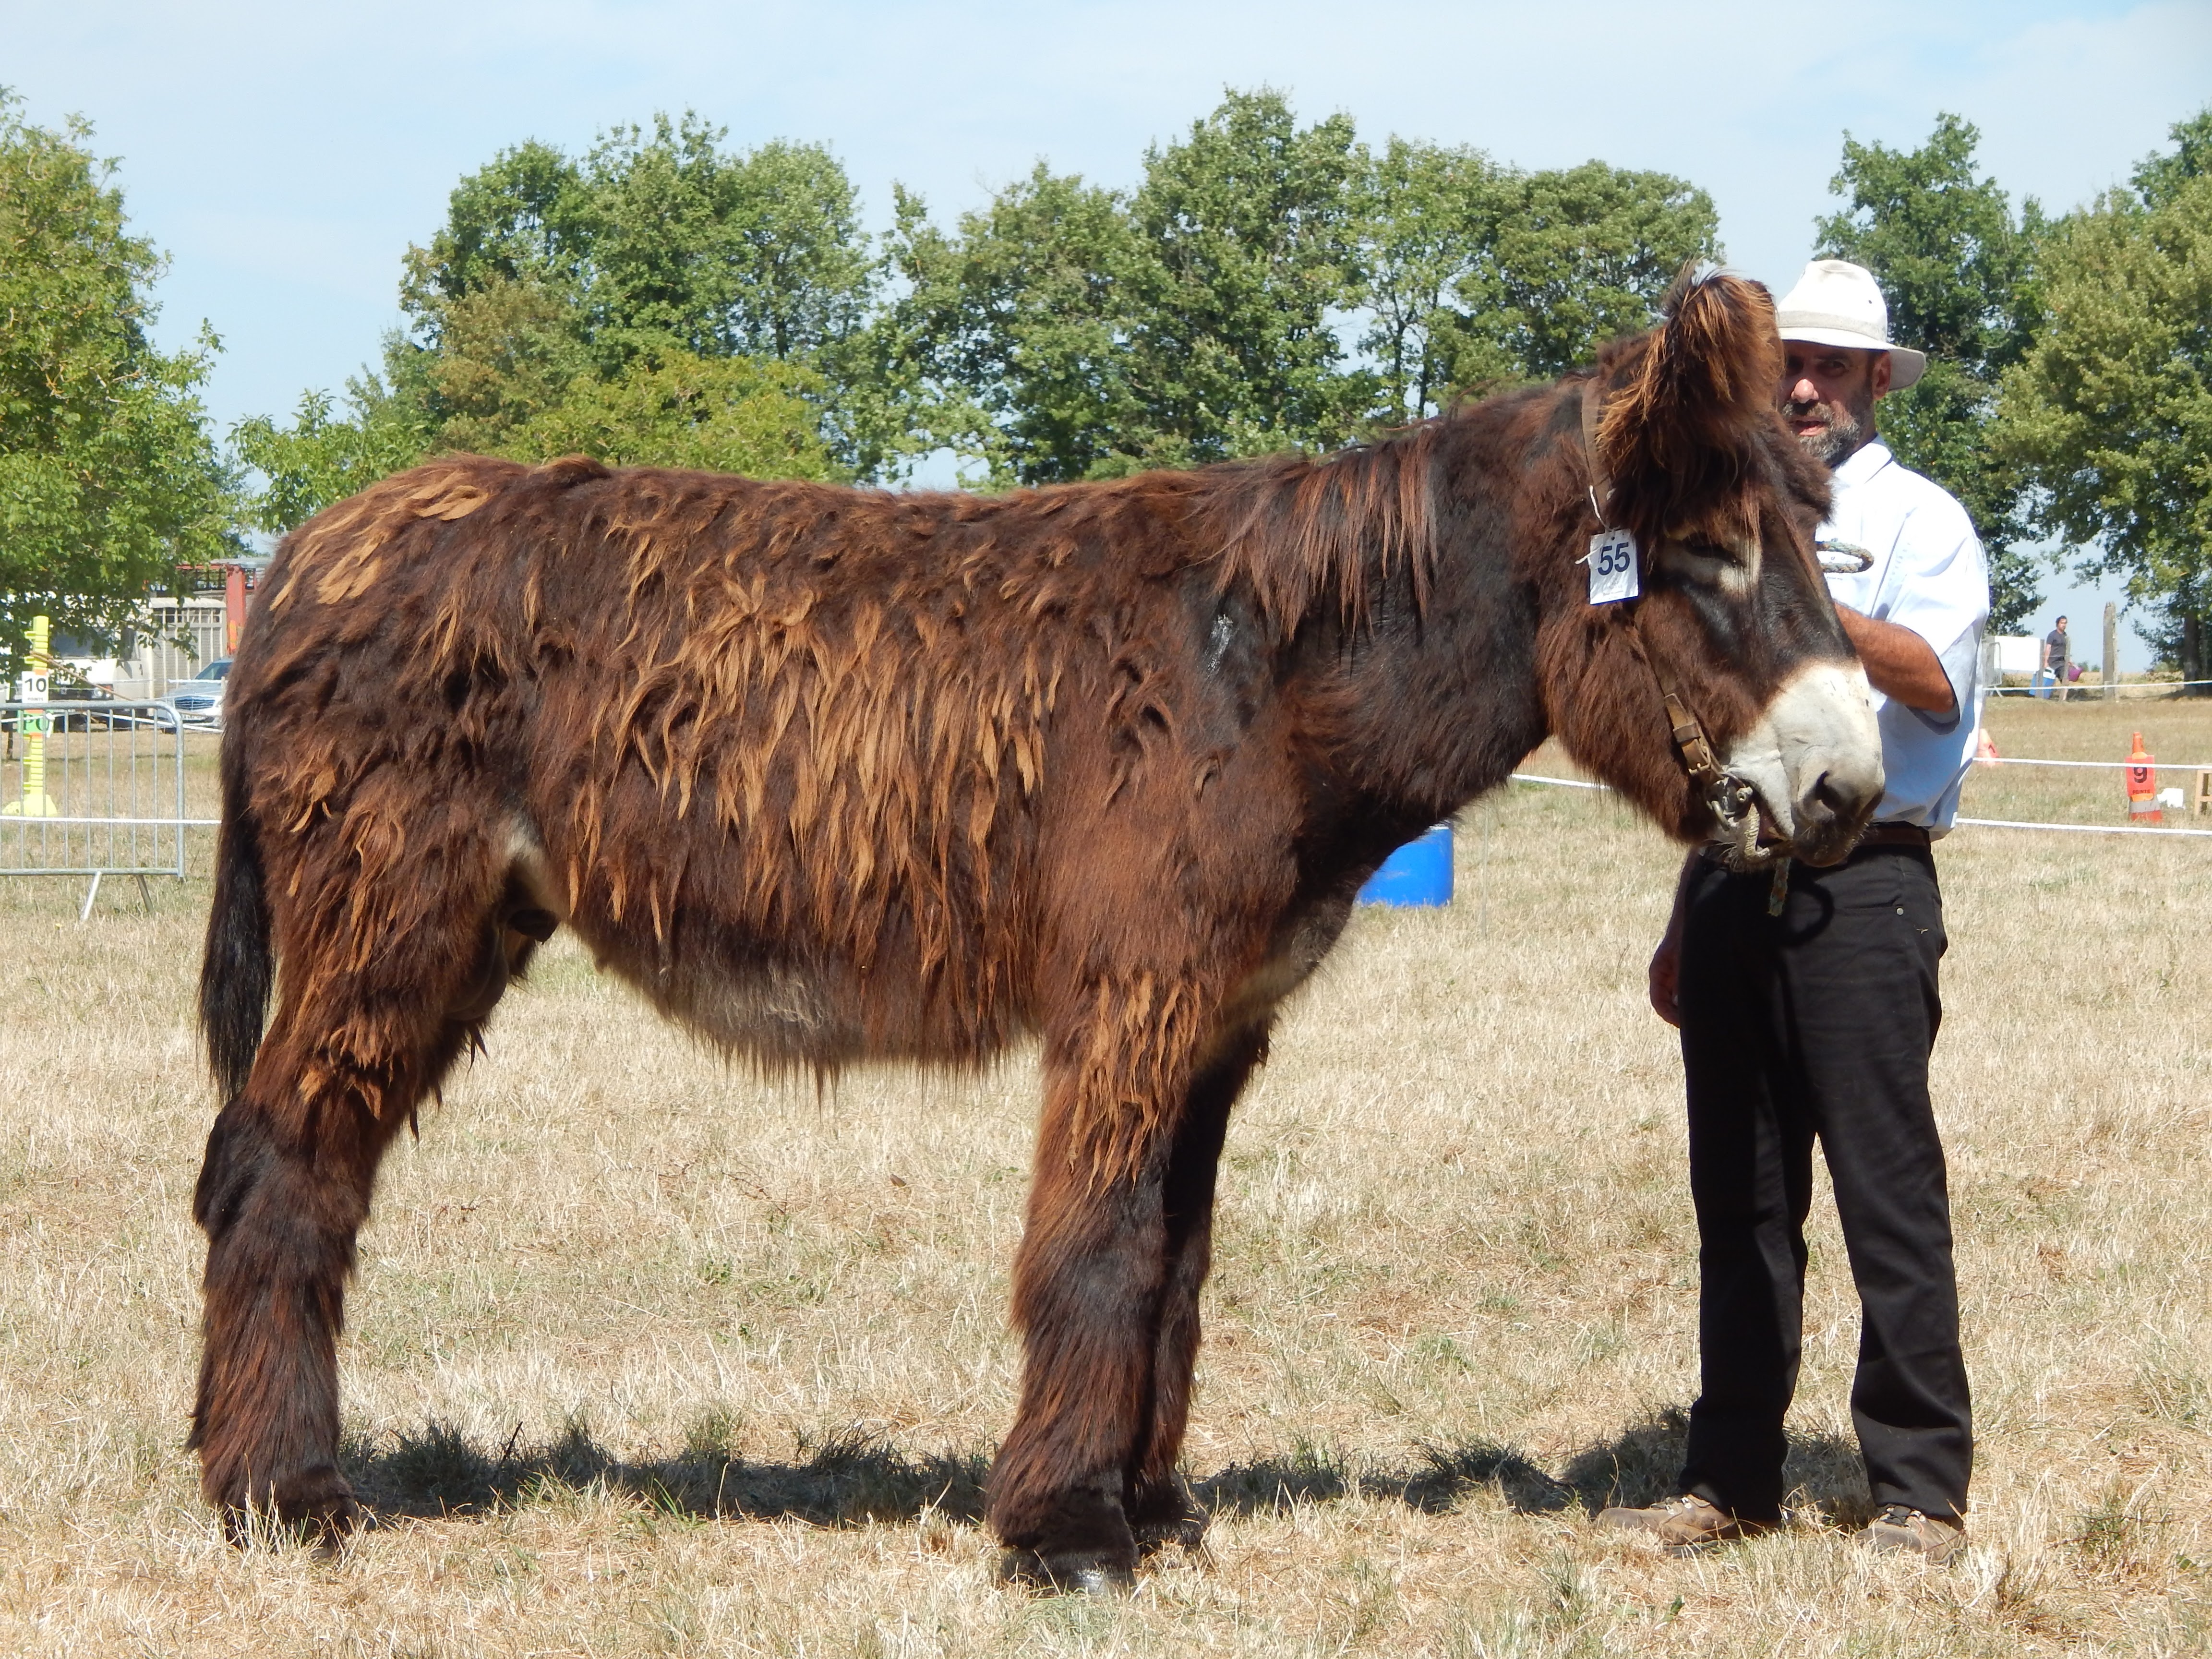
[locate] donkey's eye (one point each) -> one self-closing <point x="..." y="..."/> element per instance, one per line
<point x="1709" y="563"/>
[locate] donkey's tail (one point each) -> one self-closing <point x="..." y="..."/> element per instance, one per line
<point x="237" y="968"/>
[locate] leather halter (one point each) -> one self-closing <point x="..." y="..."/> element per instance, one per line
<point x="1689" y="741"/>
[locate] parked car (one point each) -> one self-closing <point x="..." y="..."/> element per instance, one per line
<point x="67" y="701"/>
<point x="67" y="694"/>
<point x="197" y="703"/>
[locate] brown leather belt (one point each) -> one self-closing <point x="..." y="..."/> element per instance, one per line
<point x="1896" y="835"/>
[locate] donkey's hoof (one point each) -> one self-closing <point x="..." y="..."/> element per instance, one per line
<point x="1066" y="1572"/>
<point x="315" y="1506"/>
<point x="1167" y="1515"/>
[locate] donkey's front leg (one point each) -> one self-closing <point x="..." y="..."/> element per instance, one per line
<point x="1161" y="1508"/>
<point x="1087" y="1284"/>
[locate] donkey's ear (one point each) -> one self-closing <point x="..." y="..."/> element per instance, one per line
<point x="1682" y="422"/>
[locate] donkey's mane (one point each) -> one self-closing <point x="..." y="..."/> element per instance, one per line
<point x="1307" y="531"/>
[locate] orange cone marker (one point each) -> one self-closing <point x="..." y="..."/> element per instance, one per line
<point x="2143" y="786"/>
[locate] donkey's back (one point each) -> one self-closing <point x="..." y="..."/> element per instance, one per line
<point x="778" y="752"/>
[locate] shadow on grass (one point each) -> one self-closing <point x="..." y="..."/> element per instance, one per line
<point x="1445" y="1478"/>
<point x="1640" y="1465"/>
<point x="844" y="1480"/>
<point x="850" y="1480"/>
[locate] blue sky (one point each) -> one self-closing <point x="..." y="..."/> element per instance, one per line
<point x="285" y="156"/>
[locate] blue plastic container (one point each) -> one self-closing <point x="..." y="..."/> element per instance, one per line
<point x="1419" y="873"/>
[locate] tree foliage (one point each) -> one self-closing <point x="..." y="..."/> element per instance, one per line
<point x="659" y="300"/>
<point x="1959" y="271"/>
<point x="321" y="459"/>
<point x="725" y="414"/>
<point x="1477" y="274"/>
<point x="1249" y="239"/>
<point x="1013" y="331"/>
<point x="1429" y="212"/>
<point x="1266" y="286"/>
<point x="2108" y="411"/>
<point x="1581" y="255"/>
<point x="109" y="480"/>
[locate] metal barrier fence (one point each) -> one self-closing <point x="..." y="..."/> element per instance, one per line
<point x="100" y="792"/>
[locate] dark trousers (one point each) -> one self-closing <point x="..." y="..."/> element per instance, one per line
<point x="1818" y="1023"/>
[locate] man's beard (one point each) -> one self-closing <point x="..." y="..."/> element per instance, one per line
<point x="1842" y="430"/>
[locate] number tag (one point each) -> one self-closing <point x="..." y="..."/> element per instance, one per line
<point x="31" y="688"/>
<point x="1613" y="572"/>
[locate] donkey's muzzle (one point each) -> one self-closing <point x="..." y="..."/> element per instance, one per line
<point x="1833" y="813"/>
<point x="1813" y="758"/>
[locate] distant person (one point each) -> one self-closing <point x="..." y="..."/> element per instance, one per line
<point x="2057" y="650"/>
<point x="1808" y="1004"/>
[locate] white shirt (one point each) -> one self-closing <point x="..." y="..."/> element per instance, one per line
<point x="1900" y="549"/>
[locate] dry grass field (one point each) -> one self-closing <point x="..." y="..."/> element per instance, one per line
<point x="648" y="1358"/>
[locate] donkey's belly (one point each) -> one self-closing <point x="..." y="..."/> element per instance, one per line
<point x="792" y="1002"/>
<point x="781" y="1012"/>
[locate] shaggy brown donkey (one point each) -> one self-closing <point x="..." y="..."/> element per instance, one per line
<point x="833" y="776"/>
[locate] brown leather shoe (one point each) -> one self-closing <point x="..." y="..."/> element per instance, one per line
<point x="1906" y="1531"/>
<point x="1684" y="1524"/>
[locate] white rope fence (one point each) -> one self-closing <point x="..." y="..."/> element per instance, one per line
<point x="2089" y="690"/>
<point x="2110" y="766"/>
<point x="1979" y="823"/>
<point x="2082" y="828"/>
<point x="128" y="824"/>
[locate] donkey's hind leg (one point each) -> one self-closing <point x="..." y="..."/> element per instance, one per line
<point x="1160" y="1507"/>
<point x="366" y="1027"/>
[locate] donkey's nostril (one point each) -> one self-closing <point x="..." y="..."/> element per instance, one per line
<point x="1827" y="801"/>
<point x="1830" y="813"/>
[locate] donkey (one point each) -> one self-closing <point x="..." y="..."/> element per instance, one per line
<point x="834" y="775"/>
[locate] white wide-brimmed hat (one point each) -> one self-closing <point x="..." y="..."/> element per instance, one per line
<point x="1837" y="303"/>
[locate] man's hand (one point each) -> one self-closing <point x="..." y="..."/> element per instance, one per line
<point x="1666" y="976"/>
<point x="1899" y="664"/>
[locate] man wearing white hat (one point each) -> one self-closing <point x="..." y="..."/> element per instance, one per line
<point x="1808" y="1002"/>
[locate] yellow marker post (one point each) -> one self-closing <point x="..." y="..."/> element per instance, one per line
<point x="32" y="723"/>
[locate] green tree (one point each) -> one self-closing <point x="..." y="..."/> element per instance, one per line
<point x="720" y="255"/>
<point x="109" y="480"/>
<point x="1065" y="330"/>
<point x="1580" y="255"/>
<point x="661" y="300"/>
<point x="500" y="353"/>
<point x="519" y="219"/>
<point x="1015" y="330"/>
<point x="1069" y="332"/>
<point x="1959" y="272"/>
<point x="659" y="243"/>
<point x="720" y="414"/>
<point x="1249" y="233"/>
<point x="1478" y="274"/>
<point x="321" y="459"/>
<point x="2109" y="412"/>
<point x="1430" y="219"/>
<point x="2159" y="178"/>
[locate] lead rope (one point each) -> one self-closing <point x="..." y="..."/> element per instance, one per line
<point x="1691" y="743"/>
